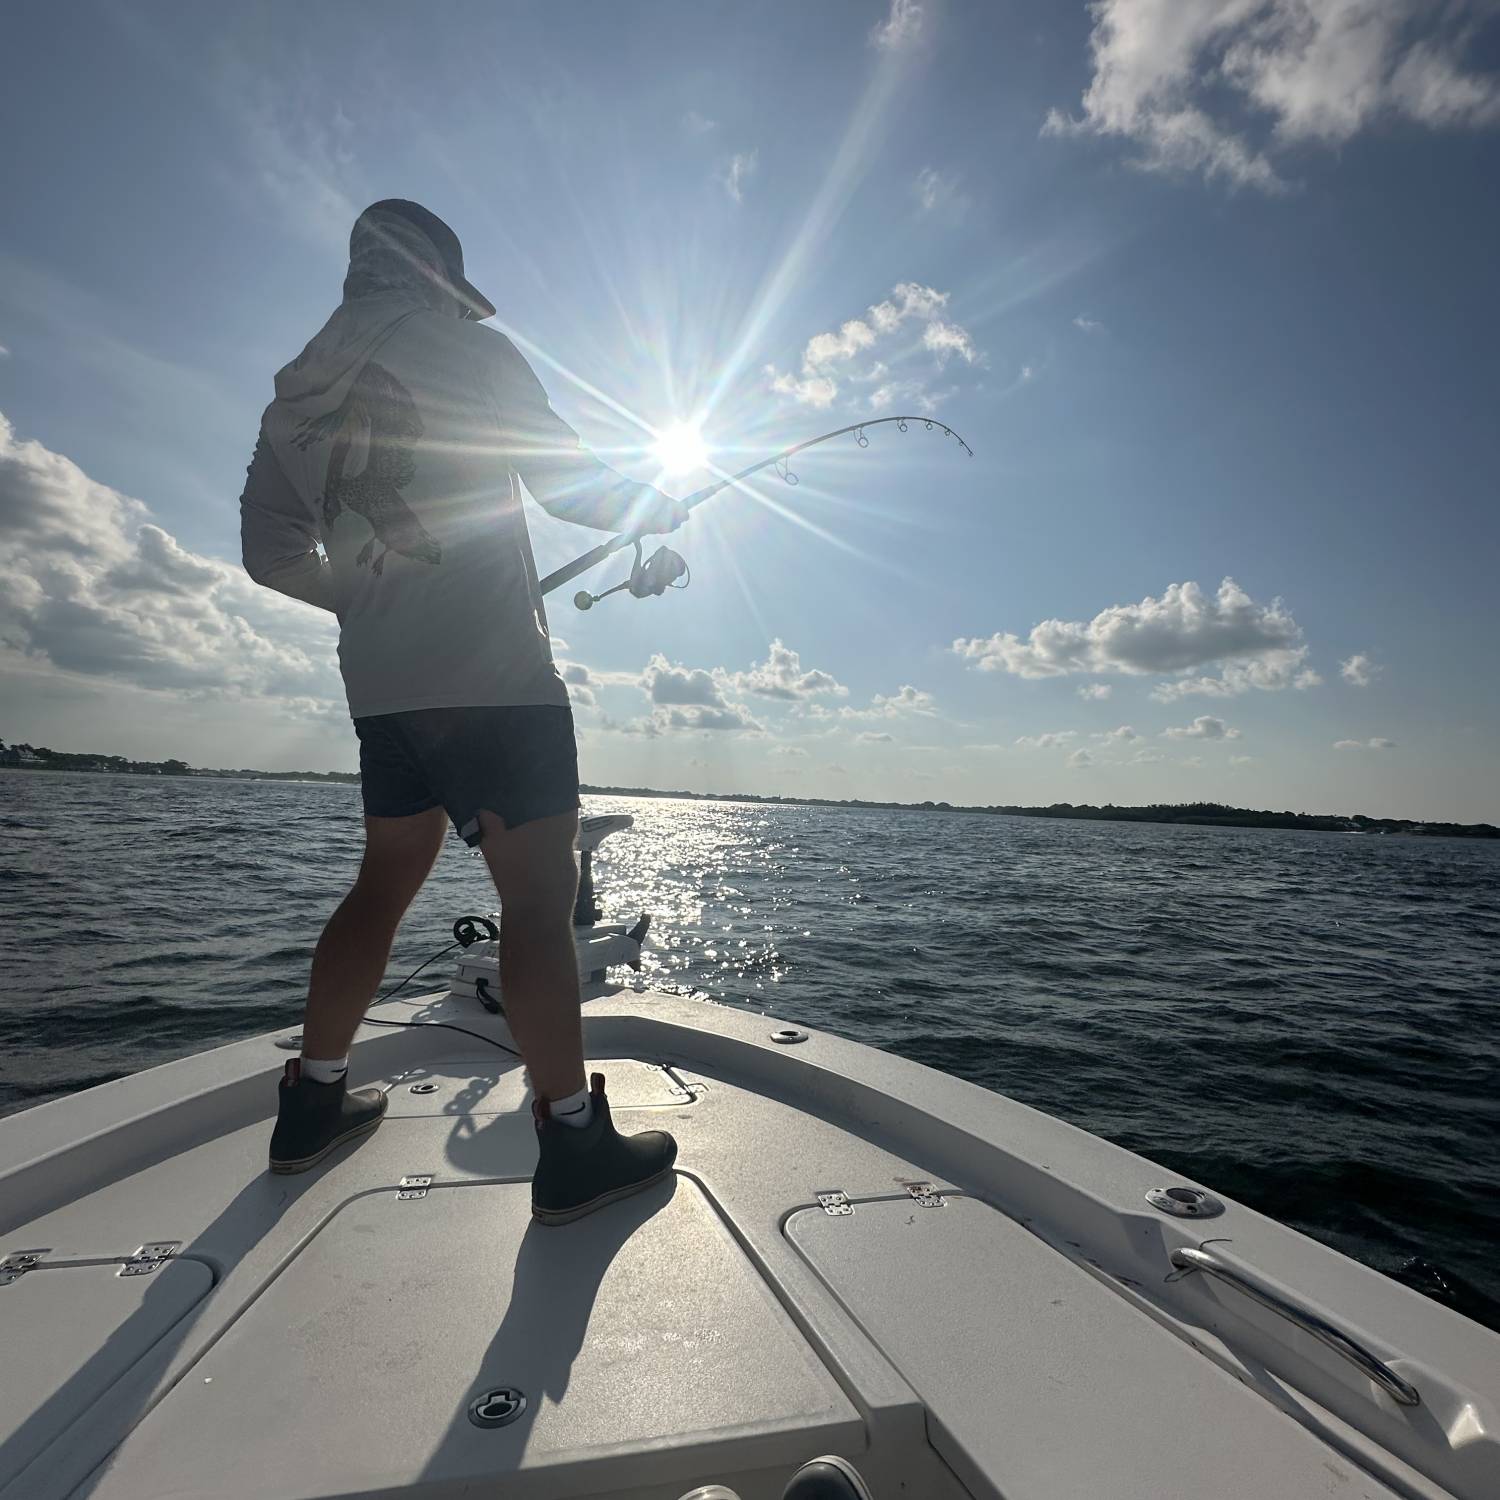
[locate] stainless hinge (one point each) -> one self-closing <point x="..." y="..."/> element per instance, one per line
<point x="15" y="1265"/>
<point x="150" y="1258"/>
<point x="924" y="1195"/>
<point x="413" y="1187"/>
<point x="836" y="1203"/>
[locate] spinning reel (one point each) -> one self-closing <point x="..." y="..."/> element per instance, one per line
<point x="648" y="576"/>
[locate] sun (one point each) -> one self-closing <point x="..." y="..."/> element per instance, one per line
<point x="680" y="448"/>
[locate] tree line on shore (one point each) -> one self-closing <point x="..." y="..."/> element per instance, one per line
<point x="1207" y="814"/>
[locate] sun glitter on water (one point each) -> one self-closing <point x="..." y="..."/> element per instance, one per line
<point x="680" y="448"/>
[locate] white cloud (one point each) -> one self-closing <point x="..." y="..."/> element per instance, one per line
<point x="1272" y="672"/>
<point x="1378" y="743"/>
<point x="741" y="166"/>
<point x="580" y="683"/>
<point x="1241" y="760"/>
<point x="1193" y="86"/>
<point x="827" y="348"/>
<point x="90" y="585"/>
<point x="665" y="683"/>
<point x="791" y="752"/>
<point x="908" y="393"/>
<point x="1359" y="670"/>
<point x="938" y="194"/>
<point x="1121" y="735"/>
<point x="1054" y="740"/>
<point x="1087" y="325"/>
<point x="905" y="700"/>
<point x="1204" y="727"/>
<point x="874" y="737"/>
<point x="948" y="338"/>
<point x="831" y="357"/>
<point x="783" y="676"/>
<point x="4" y="352"/>
<point x="901" y="27"/>
<point x="817" y="391"/>
<point x="696" y="124"/>
<point x="1259" y="644"/>
<point x="1080" y="758"/>
<point x="1096" y="691"/>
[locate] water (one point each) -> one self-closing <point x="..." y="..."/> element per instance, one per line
<point x="1306" y="1022"/>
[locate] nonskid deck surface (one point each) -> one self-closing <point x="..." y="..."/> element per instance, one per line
<point x="855" y="1255"/>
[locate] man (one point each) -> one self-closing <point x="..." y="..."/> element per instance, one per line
<point x="396" y="440"/>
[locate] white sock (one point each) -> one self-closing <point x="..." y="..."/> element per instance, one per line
<point x="576" y="1110"/>
<point x="325" y="1069"/>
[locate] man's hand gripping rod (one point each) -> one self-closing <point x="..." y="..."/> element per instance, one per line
<point x="663" y="570"/>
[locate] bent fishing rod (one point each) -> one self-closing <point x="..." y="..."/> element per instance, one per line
<point x="664" y="568"/>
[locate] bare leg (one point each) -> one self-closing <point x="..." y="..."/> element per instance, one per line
<point x="536" y="876"/>
<point x="356" y="944"/>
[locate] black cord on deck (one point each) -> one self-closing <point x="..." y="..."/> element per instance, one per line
<point x="467" y="931"/>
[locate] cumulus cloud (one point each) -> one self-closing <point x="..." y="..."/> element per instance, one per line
<point x="1272" y="672"/>
<point x="836" y="355"/>
<point x="696" y="124"/>
<point x="741" y="167"/>
<point x="1359" y="670"/>
<point x="1219" y="87"/>
<point x="905" y="700"/>
<point x="1255" y="645"/>
<point x="1080" y="758"/>
<point x="783" y="676"/>
<point x="1087" y="325"/>
<point x="1054" y="740"/>
<point x="874" y="737"/>
<point x="1095" y="691"/>
<point x="1122" y="735"/>
<point x="580" y="681"/>
<point x="901" y="28"/>
<point x="673" y="685"/>
<point x="1204" y="727"/>
<point x="89" y="584"/>
<point x="1378" y="743"/>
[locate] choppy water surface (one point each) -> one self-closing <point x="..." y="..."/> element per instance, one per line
<point x="1306" y="1022"/>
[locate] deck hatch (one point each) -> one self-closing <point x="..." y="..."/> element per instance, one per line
<point x="83" y="1321"/>
<point x="647" y="1346"/>
<point x="1039" y="1380"/>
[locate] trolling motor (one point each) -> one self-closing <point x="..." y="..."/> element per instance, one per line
<point x="655" y="575"/>
<point x="599" y="945"/>
<point x="662" y="570"/>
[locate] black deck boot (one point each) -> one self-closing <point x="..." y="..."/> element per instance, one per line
<point x="581" y="1170"/>
<point x="827" y="1478"/>
<point x="313" y="1119"/>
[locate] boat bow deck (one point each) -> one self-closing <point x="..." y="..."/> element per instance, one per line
<point x="857" y="1255"/>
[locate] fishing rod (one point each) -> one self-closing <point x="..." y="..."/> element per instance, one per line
<point x="666" y="569"/>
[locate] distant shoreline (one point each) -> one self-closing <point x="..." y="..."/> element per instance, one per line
<point x="1195" y="814"/>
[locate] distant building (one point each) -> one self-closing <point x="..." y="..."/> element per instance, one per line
<point x="16" y="755"/>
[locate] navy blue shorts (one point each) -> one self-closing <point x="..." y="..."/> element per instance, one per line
<point x="519" y="763"/>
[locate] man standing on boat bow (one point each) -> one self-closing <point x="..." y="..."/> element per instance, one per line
<point x="397" y="440"/>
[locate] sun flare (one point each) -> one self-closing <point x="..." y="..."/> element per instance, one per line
<point x="680" y="448"/>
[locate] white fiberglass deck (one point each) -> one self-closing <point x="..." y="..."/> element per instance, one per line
<point x="1009" y="1331"/>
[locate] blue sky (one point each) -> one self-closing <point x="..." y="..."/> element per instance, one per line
<point x="1209" y="288"/>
